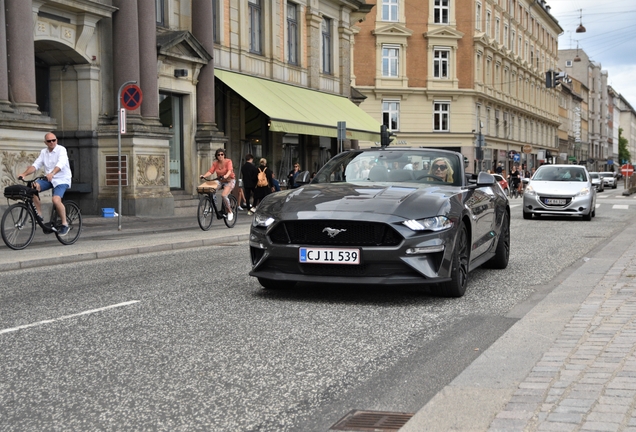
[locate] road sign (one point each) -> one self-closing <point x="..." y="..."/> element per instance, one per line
<point x="131" y="97"/>
<point x="627" y="170"/>
<point x="516" y="157"/>
<point x="122" y="120"/>
<point x="511" y="154"/>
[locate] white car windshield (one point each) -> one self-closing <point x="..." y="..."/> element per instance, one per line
<point x="560" y="173"/>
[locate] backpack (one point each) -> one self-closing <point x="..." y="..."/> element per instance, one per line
<point x="261" y="179"/>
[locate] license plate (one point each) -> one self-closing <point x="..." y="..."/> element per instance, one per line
<point x="553" y="201"/>
<point x="329" y="256"/>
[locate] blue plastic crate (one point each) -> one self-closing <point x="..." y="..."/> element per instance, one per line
<point x="108" y="212"/>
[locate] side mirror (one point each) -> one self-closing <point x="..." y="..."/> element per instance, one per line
<point x="525" y="180"/>
<point x="485" y="179"/>
<point x="303" y="177"/>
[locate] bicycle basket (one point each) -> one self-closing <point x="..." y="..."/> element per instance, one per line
<point x="208" y="186"/>
<point x="19" y="192"/>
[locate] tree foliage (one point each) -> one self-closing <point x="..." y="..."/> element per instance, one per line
<point x="623" y="153"/>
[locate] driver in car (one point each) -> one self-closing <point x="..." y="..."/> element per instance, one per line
<point x="442" y="168"/>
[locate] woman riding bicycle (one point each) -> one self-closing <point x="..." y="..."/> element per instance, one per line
<point x="515" y="179"/>
<point x="222" y="166"/>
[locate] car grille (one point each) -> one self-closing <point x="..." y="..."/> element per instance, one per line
<point x="316" y="232"/>
<point x="544" y="200"/>
<point x="385" y="269"/>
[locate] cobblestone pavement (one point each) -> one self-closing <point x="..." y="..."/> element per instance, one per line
<point x="587" y="380"/>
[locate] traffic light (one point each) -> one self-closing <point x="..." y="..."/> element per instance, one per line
<point x="554" y="78"/>
<point x="385" y="136"/>
<point x="549" y="79"/>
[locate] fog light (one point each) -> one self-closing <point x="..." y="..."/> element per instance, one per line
<point x="425" y="250"/>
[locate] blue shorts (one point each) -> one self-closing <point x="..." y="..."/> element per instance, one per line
<point x="57" y="190"/>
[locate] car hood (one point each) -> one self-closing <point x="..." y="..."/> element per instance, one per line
<point x="338" y="200"/>
<point x="558" y="188"/>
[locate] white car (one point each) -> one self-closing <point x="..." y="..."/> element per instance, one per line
<point x="559" y="190"/>
<point x="608" y="179"/>
<point x="597" y="181"/>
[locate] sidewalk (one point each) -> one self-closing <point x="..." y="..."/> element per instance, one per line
<point x="568" y="364"/>
<point x="101" y="238"/>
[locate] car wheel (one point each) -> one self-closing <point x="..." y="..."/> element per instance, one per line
<point x="271" y="284"/>
<point x="614" y="187"/>
<point x="587" y="217"/>
<point x="502" y="254"/>
<point x="456" y="287"/>
<point x="527" y="215"/>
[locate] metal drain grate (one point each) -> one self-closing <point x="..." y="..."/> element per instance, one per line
<point x="372" y="421"/>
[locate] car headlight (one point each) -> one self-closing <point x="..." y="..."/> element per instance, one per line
<point x="262" y="220"/>
<point x="437" y="223"/>
<point x="584" y="192"/>
<point x="529" y="191"/>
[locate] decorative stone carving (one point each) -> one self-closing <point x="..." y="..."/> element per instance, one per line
<point x="14" y="163"/>
<point x="151" y="170"/>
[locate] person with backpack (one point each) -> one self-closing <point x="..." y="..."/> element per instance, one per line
<point x="264" y="184"/>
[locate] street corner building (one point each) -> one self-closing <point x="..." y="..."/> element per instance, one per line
<point x="266" y="77"/>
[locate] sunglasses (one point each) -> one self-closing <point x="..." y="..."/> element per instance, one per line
<point x="439" y="167"/>
<point x="296" y="166"/>
<point x="220" y="154"/>
<point x="53" y="140"/>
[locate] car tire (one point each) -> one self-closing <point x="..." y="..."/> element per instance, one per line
<point x="587" y="217"/>
<point x="502" y="253"/>
<point x="527" y="215"/>
<point x="272" y="284"/>
<point x="456" y="287"/>
<point x="614" y="187"/>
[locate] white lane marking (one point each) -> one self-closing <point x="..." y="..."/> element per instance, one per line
<point x="601" y="196"/>
<point x="598" y="205"/>
<point x="620" y="207"/>
<point x="65" y="317"/>
<point x="619" y="196"/>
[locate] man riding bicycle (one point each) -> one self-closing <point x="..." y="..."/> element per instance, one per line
<point x="54" y="159"/>
<point x="515" y="179"/>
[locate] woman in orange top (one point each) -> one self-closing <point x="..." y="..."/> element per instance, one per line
<point x="222" y="166"/>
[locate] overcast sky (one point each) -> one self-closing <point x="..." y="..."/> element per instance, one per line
<point x="610" y="38"/>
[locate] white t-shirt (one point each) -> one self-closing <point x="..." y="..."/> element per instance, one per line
<point x="56" y="158"/>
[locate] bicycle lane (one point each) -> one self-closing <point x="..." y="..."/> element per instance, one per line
<point x="101" y="239"/>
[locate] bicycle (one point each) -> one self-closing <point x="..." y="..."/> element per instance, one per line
<point x="207" y="207"/>
<point x="19" y="220"/>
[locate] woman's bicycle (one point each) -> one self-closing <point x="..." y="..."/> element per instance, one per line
<point x="19" y="220"/>
<point x="208" y="208"/>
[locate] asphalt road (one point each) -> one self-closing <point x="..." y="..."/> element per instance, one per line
<point x="193" y="343"/>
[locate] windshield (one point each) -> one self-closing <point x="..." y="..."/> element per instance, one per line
<point x="393" y="166"/>
<point x="560" y="173"/>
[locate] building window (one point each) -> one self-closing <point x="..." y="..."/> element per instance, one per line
<point x="255" y="14"/>
<point x="441" y="114"/>
<point x="478" y="17"/>
<point x="389" y="10"/>
<point x="292" y="33"/>
<point x="440" y="12"/>
<point x="390" y="61"/>
<point x="326" y="46"/>
<point x="497" y="26"/>
<point x="440" y="63"/>
<point x="488" y="23"/>
<point x="216" y="25"/>
<point x="159" y="8"/>
<point x="513" y="41"/>
<point x="506" y="39"/>
<point x="391" y="115"/>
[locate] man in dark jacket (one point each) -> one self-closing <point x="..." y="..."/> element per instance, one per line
<point x="249" y="174"/>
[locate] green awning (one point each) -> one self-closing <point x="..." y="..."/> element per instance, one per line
<point x="297" y="110"/>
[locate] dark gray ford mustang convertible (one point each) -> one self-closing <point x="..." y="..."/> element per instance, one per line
<point x="383" y="216"/>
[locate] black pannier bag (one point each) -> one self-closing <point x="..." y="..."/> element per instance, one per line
<point x="19" y="192"/>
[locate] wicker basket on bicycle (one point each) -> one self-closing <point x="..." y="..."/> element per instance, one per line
<point x="19" y="192"/>
<point x="208" y="186"/>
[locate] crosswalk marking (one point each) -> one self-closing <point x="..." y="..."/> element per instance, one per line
<point x="620" y="206"/>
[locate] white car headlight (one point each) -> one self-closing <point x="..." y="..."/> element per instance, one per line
<point x="262" y="220"/>
<point x="529" y="191"/>
<point x="437" y="223"/>
<point x="584" y="192"/>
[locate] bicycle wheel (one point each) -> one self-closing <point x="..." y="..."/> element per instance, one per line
<point x="74" y="221"/>
<point x="234" y="207"/>
<point x="18" y="226"/>
<point x="205" y="213"/>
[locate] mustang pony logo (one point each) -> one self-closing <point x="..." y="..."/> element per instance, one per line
<point x="332" y="232"/>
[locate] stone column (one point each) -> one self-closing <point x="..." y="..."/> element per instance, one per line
<point x="148" y="59"/>
<point x="203" y="31"/>
<point x="314" y="55"/>
<point x="21" y="56"/>
<point x="344" y="46"/>
<point x="5" y="105"/>
<point x="125" y="45"/>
